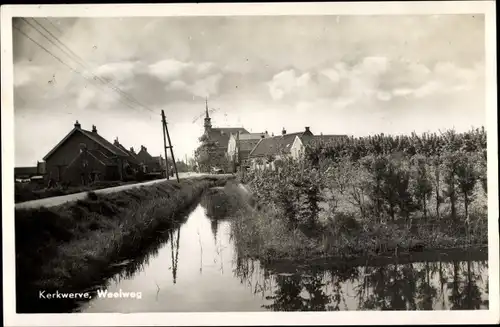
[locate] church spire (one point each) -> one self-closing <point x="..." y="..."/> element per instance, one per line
<point x="208" y="124"/>
<point x="206" y="108"/>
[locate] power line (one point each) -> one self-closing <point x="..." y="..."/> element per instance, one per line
<point x="59" y="59"/>
<point x="86" y="65"/>
<point x="57" y="28"/>
<point x="83" y="65"/>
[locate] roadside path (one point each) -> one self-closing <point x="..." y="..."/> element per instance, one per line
<point x="57" y="200"/>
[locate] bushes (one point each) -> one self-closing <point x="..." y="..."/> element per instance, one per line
<point x="381" y="193"/>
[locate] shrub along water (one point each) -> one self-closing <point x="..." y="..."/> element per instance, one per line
<point x="370" y="196"/>
<point x="73" y="247"/>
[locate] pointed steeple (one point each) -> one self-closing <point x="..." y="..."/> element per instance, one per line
<point x="206" y="108"/>
<point x="208" y="124"/>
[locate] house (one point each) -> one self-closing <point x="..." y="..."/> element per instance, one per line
<point x="220" y="135"/>
<point x="132" y="165"/>
<point x="25" y="173"/>
<point x="300" y="142"/>
<point x="149" y="163"/>
<point x="269" y="149"/>
<point x="246" y="144"/>
<point x="83" y="156"/>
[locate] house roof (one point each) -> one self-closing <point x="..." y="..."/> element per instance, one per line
<point x="222" y="135"/>
<point x="132" y="156"/>
<point x="102" y="157"/>
<point x="251" y="136"/>
<point x="272" y="145"/>
<point x="248" y="145"/>
<point x="93" y="136"/>
<point x="144" y="156"/>
<point x="321" y="138"/>
<point x="105" y="143"/>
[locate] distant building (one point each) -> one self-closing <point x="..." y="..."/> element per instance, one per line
<point x="24" y="173"/>
<point x="247" y="143"/>
<point x="150" y="164"/>
<point x="269" y="149"/>
<point x="300" y="142"/>
<point x="220" y="135"/>
<point x="83" y="156"/>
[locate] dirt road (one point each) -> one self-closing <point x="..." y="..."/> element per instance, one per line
<point x="54" y="201"/>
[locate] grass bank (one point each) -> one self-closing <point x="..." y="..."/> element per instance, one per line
<point x="263" y="232"/>
<point x="75" y="246"/>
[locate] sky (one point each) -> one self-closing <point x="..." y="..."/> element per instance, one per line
<point x="354" y="75"/>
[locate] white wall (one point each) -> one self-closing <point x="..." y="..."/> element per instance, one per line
<point x="231" y="147"/>
<point x="297" y="148"/>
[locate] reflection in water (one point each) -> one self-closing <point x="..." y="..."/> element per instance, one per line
<point x="175" y="256"/>
<point x="212" y="277"/>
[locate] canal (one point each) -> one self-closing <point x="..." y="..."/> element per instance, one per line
<point x="197" y="269"/>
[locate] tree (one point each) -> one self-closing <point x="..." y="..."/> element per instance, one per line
<point x="209" y="155"/>
<point x="422" y="187"/>
<point x="466" y="179"/>
<point x="450" y="166"/>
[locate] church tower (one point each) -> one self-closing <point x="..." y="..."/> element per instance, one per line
<point x="207" y="124"/>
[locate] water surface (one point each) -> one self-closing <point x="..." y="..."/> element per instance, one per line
<point x="198" y="269"/>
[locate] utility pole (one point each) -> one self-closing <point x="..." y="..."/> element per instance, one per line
<point x="163" y="127"/>
<point x="170" y="146"/>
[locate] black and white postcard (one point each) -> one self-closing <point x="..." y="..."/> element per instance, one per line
<point x="246" y="164"/>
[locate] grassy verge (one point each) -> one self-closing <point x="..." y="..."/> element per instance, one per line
<point x="28" y="192"/>
<point x="73" y="247"/>
<point x="263" y="232"/>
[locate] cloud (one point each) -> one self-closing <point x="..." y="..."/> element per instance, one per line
<point x="284" y="83"/>
<point x="332" y="74"/>
<point x="118" y="71"/>
<point x="356" y="81"/>
<point x="168" y="69"/>
<point x="384" y="96"/>
<point x="207" y="86"/>
<point x="445" y="78"/>
<point x="24" y="74"/>
<point x="203" y="87"/>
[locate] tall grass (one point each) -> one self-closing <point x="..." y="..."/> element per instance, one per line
<point x="72" y="247"/>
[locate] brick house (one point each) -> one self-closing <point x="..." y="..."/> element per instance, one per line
<point x="149" y="163"/>
<point x="83" y="156"/>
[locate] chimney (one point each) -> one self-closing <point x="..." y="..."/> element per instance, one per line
<point x="77" y="124"/>
<point x="116" y="141"/>
<point x="94" y="129"/>
<point x="283" y="132"/>
<point x="307" y="129"/>
<point x="132" y="149"/>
